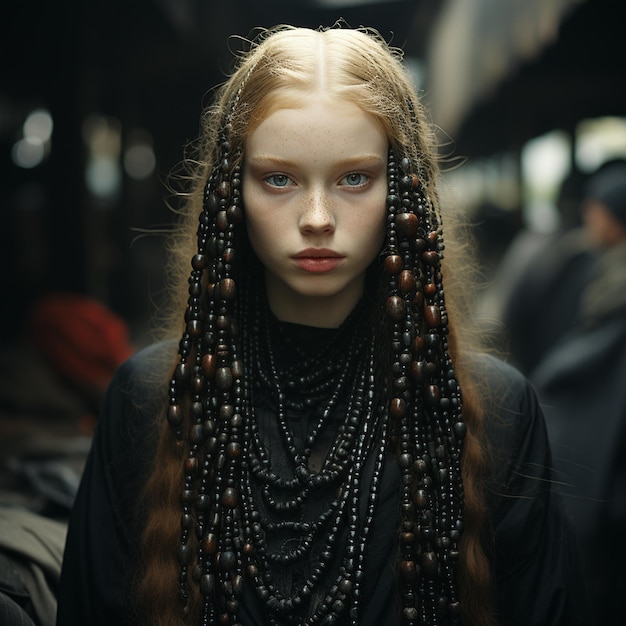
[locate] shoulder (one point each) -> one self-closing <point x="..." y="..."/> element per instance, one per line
<point x="514" y="430"/>
<point x="137" y="395"/>
<point x="508" y="397"/>
<point x="146" y="368"/>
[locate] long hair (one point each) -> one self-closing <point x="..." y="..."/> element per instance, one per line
<point x="281" y="67"/>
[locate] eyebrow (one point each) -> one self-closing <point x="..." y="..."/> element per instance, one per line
<point x="355" y="161"/>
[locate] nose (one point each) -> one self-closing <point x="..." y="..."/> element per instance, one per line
<point x="317" y="216"/>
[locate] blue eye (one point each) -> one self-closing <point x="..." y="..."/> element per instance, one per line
<point x="278" y="180"/>
<point x="355" y="179"/>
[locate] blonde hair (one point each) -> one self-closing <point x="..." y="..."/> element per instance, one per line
<point x="281" y="67"/>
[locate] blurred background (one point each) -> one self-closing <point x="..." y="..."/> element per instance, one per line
<point x="97" y="100"/>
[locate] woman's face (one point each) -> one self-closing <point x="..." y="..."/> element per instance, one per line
<point x="314" y="190"/>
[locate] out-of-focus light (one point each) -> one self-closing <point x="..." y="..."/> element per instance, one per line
<point x="28" y="152"/>
<point x="102" y="135"/>
<point x="600" y="140"/>
<point x="38" y="125"/>
<point x="103" y="177"/>
<point x="545" y="164"/>
<point x="139" y="161"/>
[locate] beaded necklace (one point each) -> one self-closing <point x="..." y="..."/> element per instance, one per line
<point x="340" y="372"/>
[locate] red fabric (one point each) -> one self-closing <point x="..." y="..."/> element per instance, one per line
<point x="80" y="337"/>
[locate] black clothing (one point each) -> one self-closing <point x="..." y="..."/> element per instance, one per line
<point x="537" y="573"/>
<point x="581" y="384"/>
<point x="543" y="295"/>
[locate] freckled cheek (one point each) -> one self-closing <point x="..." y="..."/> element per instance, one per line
<point x="378" y="225"/>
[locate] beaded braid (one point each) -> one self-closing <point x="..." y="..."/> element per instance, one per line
<point x="204" y="408"/>
<point x="426" y="418"/>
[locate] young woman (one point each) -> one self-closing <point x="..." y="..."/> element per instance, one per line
<point x="320" y="444"/>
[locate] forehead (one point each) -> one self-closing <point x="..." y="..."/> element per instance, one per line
<point x="318" y="125"/>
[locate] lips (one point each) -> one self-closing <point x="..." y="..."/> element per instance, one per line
<point x="318" y="260"/>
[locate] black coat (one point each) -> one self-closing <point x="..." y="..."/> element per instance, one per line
<point x="582" y="387"/>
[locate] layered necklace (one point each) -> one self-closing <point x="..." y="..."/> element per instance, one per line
<point x="302" y="518"/>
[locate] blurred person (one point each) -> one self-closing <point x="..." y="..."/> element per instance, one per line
<point x="534" y="295"/>
<point x="319" y="442"/>
<point x="581" y="382"/>
<point x="54" y="375"/>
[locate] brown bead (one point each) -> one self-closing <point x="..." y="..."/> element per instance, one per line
<point x="406" y="224"/>
<point x="418" y="344"/>
<point x="194" y="328"/>
<point x="233" y="450"/>
<point x="191" y="465"/>
<point x="209" y="545"/>
<point x="182" y="372"/>
<point x="430" y="289"/>
<point x="198" y="261"/>
<point x="207" y="584"/>
<point x="396" y="307"/>
<point x="430" y="257"/>
<point x="432" y="316"/>
<point x="208" y="365"/>
<point x="223" y="189"/>
<point x="226" y="411"/>
<point x="415" y="181"/>
<point x="407" y="281"/>
<point x="229" y="255"/>
<point x="418" y="299"/>
<point x="197" y="383"/>
<point x="397" y="407"/>
<point x="432" y="394"/>
<point x="223" y="322"/>
<point x="252" y="570"/>
<point x="429" y="563"/>
<point x="221" y="220"/>
<point x="408" y="570"/>
<point x="174" y="415"/>
<point x="393" y="264"/>
<point x="235" y="214"/>
<point x="407" y="538"/>
<point x="196" y="434"/>
<point x="418" y="370"/>
<point x="421" y="499"/>
<point x="223" y="378"/>
<point x="237" y="369"/>
<point x="237" y="583"/>
<point x="420" y="466"/>
<point x="227" y="288"/>
<point x="230" y="497"/>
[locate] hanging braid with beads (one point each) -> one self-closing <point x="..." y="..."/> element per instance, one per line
<point x="214" y="502"/>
